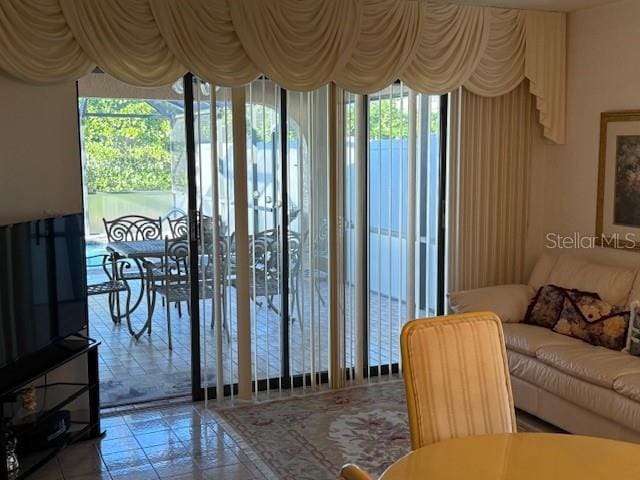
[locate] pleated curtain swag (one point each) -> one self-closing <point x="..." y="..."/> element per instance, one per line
<point x="361" y="45"/>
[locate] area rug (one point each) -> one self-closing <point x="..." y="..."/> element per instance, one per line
<point x="310" y="437"/>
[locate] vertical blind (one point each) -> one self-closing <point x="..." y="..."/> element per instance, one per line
<point x="489" y="163"/>
<point x="291" y="310"/>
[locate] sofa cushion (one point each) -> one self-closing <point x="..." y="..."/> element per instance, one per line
<point x="540" y="273"/>
<point x="602" y="401"/>
<point x="611" y="283"/>
<point x="596" y="365"/>
<point x="509" y="302"/>
<point x="527" y="339"/>
<point x="628" y="385"/>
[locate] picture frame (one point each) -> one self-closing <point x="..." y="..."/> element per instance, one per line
<point x="618" y="201"/>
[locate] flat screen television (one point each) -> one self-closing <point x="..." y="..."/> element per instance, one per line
<point x="43" y="292"/>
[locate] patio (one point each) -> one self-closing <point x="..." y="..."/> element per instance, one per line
<point x="137" y="371"/>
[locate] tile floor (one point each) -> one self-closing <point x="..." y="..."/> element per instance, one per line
<point x="178" y="441"/>
<point x="174" y="442"/>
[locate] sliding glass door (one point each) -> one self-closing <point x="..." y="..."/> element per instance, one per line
<point x="392" y="190"/>
<point x="308" y="250"/>
<point x="134" y="158"/>
<point x="267" y="179"/>
<point x="312" y="221"/>
<point x="267" y="188"/>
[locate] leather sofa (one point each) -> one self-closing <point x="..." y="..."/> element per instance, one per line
<point x="576" y="386"/>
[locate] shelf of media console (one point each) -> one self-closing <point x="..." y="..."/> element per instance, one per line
<point x="31" y="462"/>
<point x="26" y="372"/>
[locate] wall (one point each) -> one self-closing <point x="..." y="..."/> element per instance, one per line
<point x="39" y="152"/>
<point x="603" y="75"/>
<point x="40" y="173"/>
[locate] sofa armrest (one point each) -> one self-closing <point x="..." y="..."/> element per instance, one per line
<point x="509" y="302"/>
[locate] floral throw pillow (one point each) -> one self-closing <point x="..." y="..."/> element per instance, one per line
<point x="595" y="321"/>
<point x="544" y="309"/>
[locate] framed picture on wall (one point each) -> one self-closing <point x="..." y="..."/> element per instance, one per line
<point x="618" y="213"/>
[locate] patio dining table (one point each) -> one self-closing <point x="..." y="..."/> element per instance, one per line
<point x="520" y="456"/>
<point x="138" y="251"/>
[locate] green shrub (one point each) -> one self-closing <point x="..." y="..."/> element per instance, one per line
<point x="127" y="146"/>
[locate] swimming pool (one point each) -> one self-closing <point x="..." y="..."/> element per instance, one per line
<point x="95" y="249"/>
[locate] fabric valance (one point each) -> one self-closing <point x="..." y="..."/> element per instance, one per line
<point x="362" y="45"/>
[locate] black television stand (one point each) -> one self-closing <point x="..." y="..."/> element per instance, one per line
<point x="26" y="371"/>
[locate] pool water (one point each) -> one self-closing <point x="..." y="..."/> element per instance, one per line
<point x="96" y="250"/>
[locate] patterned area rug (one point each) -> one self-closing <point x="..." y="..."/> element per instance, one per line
<point x="310" y="437"/>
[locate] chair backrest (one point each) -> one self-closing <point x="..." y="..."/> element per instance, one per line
<point x="132" y="228"/>
<point x="174" y="212"/>
<point x="223" y="249"/>
<point x="176" y="259"/>
<point x="264" y="248"/>
<point x="456" y="377"/>
<point x="179" y="226"/>
<point x="170" y="217"/>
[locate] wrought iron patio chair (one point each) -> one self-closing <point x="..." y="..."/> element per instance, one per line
<point x="172" y="215"/>
<point x="321" y="257"/>
<point x="113" y="286"/>
<point x="265" y="277"/>
<point x="179" y="228"/>
<point x="130" y="228"/>
<point x="134" y="228"/>
<point x="227" y="273"/>
<point x="179" y="225"/>
<point x="171" y="281"/>
<point x="178" y="222"/>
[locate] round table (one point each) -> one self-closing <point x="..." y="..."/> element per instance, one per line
<point x="520" y="456"/>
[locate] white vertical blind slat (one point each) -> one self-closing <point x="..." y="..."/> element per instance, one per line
<point x="228" y="135"/>
<point x="411" y="204"/>
<point x="390" y="201"/>
<point x="242" y="242"/>
<point x="218" y="287"/>
<point x="361" y="231"/>
<point x="252" y="254"/>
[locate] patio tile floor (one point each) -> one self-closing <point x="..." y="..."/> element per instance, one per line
<point x="139" y="371"/>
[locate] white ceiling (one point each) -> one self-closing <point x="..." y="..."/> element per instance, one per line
<point x="556" y="5"/>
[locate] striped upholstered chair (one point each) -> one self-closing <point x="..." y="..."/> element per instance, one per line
<point x="456" y="378"/>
